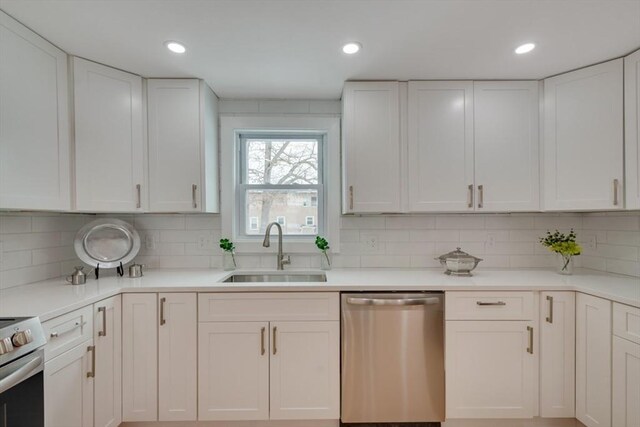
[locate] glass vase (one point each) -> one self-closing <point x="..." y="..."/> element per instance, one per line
<point x="229" y="261"/>
<point x="565" y="264"/>
<point x="325" y="260"/>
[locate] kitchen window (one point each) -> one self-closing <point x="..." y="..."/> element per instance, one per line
<point x="280" y="179"/>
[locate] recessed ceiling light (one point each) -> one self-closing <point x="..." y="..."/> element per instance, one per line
<point x="525" y="48"/>
<point x="175" y="47"/>
<point x="351" y="48"/>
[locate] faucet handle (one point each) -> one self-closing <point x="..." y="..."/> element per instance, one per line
<point x="286" y="259"/>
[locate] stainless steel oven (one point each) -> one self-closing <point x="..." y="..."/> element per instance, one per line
<point x="21" y="373"/>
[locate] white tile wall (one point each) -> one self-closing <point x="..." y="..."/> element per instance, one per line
<point x="36" y="247"/>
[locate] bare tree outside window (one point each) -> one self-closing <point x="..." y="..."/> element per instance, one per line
<point x="282" y="178"/>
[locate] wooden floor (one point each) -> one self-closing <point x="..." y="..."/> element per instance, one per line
<point x="535" y="422"/>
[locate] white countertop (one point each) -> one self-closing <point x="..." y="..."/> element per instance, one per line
<point x="54" y="297"/>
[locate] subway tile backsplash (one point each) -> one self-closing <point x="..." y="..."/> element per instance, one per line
<point x="39" y="246"/>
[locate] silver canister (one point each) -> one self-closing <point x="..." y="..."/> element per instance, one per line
<point x="78" y="277"/>
<point x="135" y="270"/>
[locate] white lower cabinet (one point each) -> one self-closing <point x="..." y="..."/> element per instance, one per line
<point x="68" y="388"/>
<point x="489" y="369"/>
<point x="262" y="368"/>
<point x="107" y="322"/>
<point x="305" y="366"/>
<point x="557" y="354"/>
<point x="626" y="383"/>
<point x="593" y="360"/>
<point x="233" y="371"/>
<point x="177" y="357"/>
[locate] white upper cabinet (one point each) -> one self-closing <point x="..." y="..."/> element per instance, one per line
<point x="34" y="137"/>
<point x="632" y="129"/>
<point x="183" y="146"/>
<point x="440" y="153"/>
<point x="583" y="139"/>
<point x="371" y="147"/>
<point x="109" y="144"/>
<point x="506" y="146"/>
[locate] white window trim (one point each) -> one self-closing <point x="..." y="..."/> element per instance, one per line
<point x="231" y="127"/>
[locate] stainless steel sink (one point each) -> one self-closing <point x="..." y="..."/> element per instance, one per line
<point x="276" y="277"/>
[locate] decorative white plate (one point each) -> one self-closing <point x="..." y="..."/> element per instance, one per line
<point x="107" y="243"/>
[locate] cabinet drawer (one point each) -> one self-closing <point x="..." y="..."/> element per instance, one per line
<point x="626" y="322"/>
<point x="67" y="331"/>
<point x="489" y="305"/>
<point x="268" y="306"/>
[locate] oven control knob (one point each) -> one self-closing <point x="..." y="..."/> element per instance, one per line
<point x="5" y="346"/>
<point x="21" y="338"/>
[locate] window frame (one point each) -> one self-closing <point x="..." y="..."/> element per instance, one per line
<point x="241" y="186"/>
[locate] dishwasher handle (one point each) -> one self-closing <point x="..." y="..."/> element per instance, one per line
<point x="395" y="302"/>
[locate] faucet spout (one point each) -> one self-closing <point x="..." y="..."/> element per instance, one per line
<point x="282" y="259"/>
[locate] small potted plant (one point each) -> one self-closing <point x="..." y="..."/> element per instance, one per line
<point x="565" y="246"/>
<point x="325" y="258"/>
<point x="229" y="254"/>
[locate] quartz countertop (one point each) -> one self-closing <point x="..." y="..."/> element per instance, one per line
<point x="51" y="298"/>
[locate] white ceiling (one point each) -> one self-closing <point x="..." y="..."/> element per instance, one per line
<point x="292" y="48"/>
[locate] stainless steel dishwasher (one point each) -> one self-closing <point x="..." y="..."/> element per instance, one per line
<point x="393" y="357"/>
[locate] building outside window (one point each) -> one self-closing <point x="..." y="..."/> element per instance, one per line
<point x="280" y="179"/>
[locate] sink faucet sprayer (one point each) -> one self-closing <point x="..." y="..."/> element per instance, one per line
<point x="282" y="259"/>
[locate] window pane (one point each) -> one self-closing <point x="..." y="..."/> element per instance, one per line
<point x="289" y="208"/>
<point x="278" y="161"/>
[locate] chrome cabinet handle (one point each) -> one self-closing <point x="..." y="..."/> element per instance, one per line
<point x="194" y="189"/>
<point x="615" y="192"/>
<point x="262" y="349"/>
<point x="139" y="202"/>
<point x="162" y="320"/>
<point x="275" y="347"/>
<point x="56" y="334"/>
<point x="103" y="332"/>
<point x="480" y="196"/>
<point x="396" y="302"/>
<point x="549" y="318"/>
<point x="351" y="197"/>
<point x="92" y="372"/>
<point x="482" y="303"/>
<point x="20" y="374"/>
<point x="470" y="197"/>
<point x="530" y="348"/>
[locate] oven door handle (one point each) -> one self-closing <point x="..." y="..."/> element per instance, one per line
<point x="21" y="374"/>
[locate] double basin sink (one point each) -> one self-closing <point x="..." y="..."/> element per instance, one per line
<point x="278" y="277"/>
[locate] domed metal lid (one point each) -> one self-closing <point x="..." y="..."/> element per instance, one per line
<point x="458" y="254"/>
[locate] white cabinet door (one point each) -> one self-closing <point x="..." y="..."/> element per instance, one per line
<point x="305" y="370"/>
<point x="440" y="153"/>
<point x="371" y="147"/>
<point x="109" y="147"/>
<point x="68" y="389"/>
<point x="182" y="146"/>
<point x="557" y="354"/>
<point x="583" y="139"/>
<point x="626" y="383"/>
<point x="632" y="129"/>
<point x="233" y="373"/>
<point x="593" y="360"/>
<point x="139" y="357"/>
<point x="177" y="357"/>
<point x="506" y="146"/>
<point x="107" y="322"/>
<point x="490" y="369"/>
<point x="34" y="141"/>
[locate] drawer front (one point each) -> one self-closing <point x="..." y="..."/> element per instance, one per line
<point x="253" y="307"/>
<point x="489" y="305"/>
<point x="67" y="331"/>
<point x="626" y="322"/>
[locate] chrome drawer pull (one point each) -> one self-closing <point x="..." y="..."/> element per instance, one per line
<point x="103" y="332"/>
<point x="470" y="197"/>
<point x="92" y="372"/>
<point x="482" y="303"/>
<point x="530" y="348"/>
<point x="549" y="318"/>
<point x="262" y="349"/>
<point x="55" y="334"/>
<point x="275" y="347"/>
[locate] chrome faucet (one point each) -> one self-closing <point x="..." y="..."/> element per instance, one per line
<point x="282" y="259"/>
